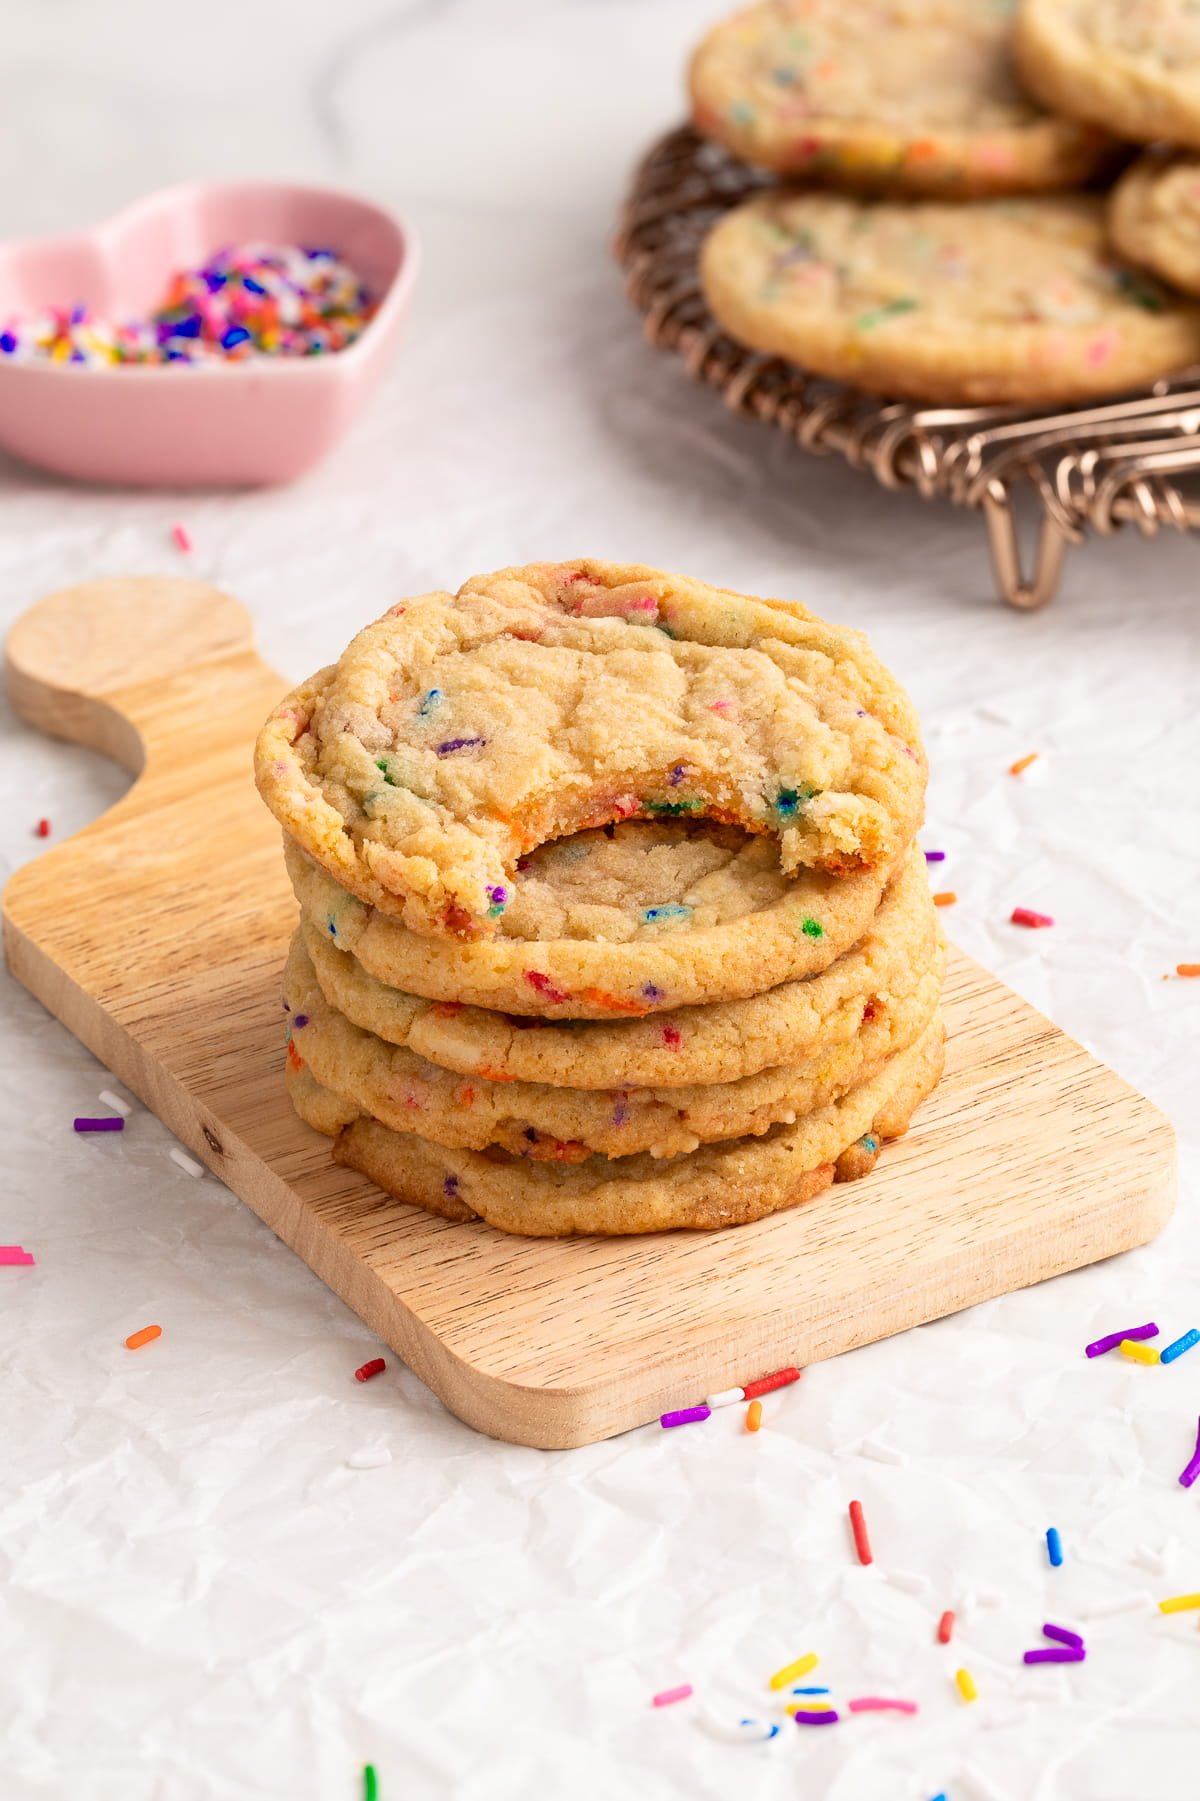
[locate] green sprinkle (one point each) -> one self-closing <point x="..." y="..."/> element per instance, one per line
<point x="812" y="928"/>
<point x="869" y="320"/>
<point x="672" y="807"/>
<point x="741" y="113"/>
<point x="370" y="1783"/>
<point x="1132" y="287"/>
<point x="381" y="763"/>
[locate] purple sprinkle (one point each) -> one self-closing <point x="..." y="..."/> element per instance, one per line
<point x="301" y="1019"/>
<point x="1071" y="1654"/>
<point x="651" y="993"/>
<point x="1192" y="1470"/>
<point x="1113" y="1339"/>
<point x="453" y="744"/>
<point x="450" y="1187"/>
<point x="99" y="1125"/>
<point x="497" y="895"/>
<point x="1063" y="1634"/>
<point x="676" y="775"/>
<point x="685" y="1416"/>
<point x="803" y="1717"/>
<point x="935" y="856"/>
<point x="621" y="1110"/>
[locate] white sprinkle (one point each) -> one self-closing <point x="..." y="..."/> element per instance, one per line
<point x="1102" y="1610"/>
<point x="115" y="1102"/>
<point x="186" y="1163"/>
<point x="726" y="1398"/>
<point x="978" y="1784"/>
<point x="871" y="1447"/>
<point x="908" y="1582"/>
<point x="373" y="1457"/>
<point x="997" y="713"/>
<point x="1157" y="1562"/>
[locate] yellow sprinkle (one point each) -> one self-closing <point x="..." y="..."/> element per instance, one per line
<point x="1179" y="1604"/>
<point x="792" y="1671"/>
<point x="810" y="1704"/>
<point x="966" y="1682"/>
<point x="1141" y="1353"/>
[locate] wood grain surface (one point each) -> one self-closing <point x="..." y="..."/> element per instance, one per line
<point x="157" y="935"/>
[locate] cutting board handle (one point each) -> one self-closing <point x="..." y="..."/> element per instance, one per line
<point x="101" y="664"/>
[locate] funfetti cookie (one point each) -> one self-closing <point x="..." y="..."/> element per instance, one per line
<point x="1131" y="66"/>
<point x="1154" y="216"/>
<point x="719" y="1185"/>
<point x="1002" y="301"/>
<point x="718" y="1041"/>
<point x="461" y="731"/>
<point x="553" y="1123"/>
<point x="913" y="97"/>
<point x="745" y="929"/>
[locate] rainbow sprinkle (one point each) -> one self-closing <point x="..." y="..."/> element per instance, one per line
<point x="245" y="301"/>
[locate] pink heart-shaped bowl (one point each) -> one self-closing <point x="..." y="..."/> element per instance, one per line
<point x="236" y="424"/>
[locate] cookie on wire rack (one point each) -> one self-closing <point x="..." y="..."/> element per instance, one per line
<point x="1154" y="216"/>
<point x="1000" y="302"/>
<point x="913" y="97"/>
<point x="1131" y="66"/>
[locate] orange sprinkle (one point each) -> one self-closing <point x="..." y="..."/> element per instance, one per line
<point x="612" y="1003"/>
<point x="1023" y="763"/>
<point x="946" y="898"/>
<point x="754" y="1416"/>
<point x="295" y="1060"/>
<point x="147" y="1335"/>
<point x="1187" y="969"/>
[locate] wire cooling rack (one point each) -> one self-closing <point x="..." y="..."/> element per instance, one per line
<point x="1134" y="461"/>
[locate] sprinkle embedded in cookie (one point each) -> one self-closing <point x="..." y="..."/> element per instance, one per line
<point x="461" y="731"/>
<point x="1004" y="301"/>
<point x="911" y="97"/>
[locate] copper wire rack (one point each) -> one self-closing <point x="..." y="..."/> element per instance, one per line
<point x="1134" y="461"/>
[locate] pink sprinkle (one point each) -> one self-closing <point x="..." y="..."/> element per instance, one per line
<point x="668" y="1696"/>
<point x="1102" y="347"/>
<point x="1025" y="916"/>
<point x="182" y="538"/>
<point x="546" y="988"/>
<point x="13" y="1257"/>
<point x="880" y="1704"/>
<point x="719" y="706"/>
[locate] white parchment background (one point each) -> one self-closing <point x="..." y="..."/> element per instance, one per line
<point x="199" y="1601"/>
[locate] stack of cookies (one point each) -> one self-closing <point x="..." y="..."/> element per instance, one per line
<point x="938" y="228"/>
<point x="611" y="916"/>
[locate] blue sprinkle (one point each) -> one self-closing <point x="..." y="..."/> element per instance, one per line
<point x="251" y="286"/>
<point x="237" y="334"/>
<point x="8" y="342"/>
<point x="431" y="701"/>
<point x="868" y="1143"/>
<point x="789" y="801"/>
<point x="1054" y="1547"/>
<point x="810" y="1691"/>
<point x="669" y="910"/>
<point x="1180" y="1346"/>
<point x="332" y="929"/>
<point x="450" y="1187"/>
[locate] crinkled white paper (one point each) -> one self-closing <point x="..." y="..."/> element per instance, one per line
<point x="201" y="1597"/>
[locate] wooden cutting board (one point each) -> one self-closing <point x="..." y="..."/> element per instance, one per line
<point x="157" y="935"/>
